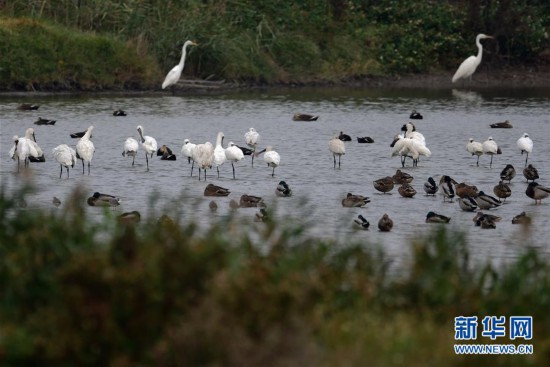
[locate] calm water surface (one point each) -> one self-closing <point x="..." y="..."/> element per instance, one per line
<point x="451" y="117"/>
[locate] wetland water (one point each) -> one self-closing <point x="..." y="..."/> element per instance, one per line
<point x="451" y="117"/>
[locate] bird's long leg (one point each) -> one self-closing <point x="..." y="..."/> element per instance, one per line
<point x="253" y="153"/>
<point x="339" y="161"/>
<point x="334" y="157"/>
<point x="82" y="166"/>
<point x="403" y="161"/>
<point x="218" y="169"/>
<point x="199" y="173"/>
<point x="67" y="171"/>
<point x="192" y="166"/>
<point x="60" y="173"/>
<point x="491" y="164"/>
<point x="89" y="163"/>
<point x="147" y="159"/>
<point x="478" y="161"/>
<point x="526" y="158"/>
<point x="273" y="173"/>
<point x="233" y="170"/>
<point x="133" y="160"/>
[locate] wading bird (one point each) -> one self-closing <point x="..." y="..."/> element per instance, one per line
<point x="174" y="75"/>
<point x="131" y="147"/>
<point x="65" y="156"/>
<point x="252" y="138"/>
<point x="525" y="145"/>
<point x="203" y="156"/>
<point x="85" y="149"/>
<point x="219" y="153"/>
<point x="337" y="148"/>
<point x="271" y="157"/>
<point x="469" y="66"/>
<point x="233" y="154"/>
<point x="148" y="143"/>
<point x="490" y="147"/>
<point x="475" y="148"/>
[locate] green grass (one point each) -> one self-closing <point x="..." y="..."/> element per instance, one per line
<point x="75" y="291"/>
<point x="36" y="55"/>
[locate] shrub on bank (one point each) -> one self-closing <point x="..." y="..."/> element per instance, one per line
<point x="77" y="291"/>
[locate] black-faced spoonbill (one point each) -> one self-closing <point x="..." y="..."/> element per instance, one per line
<point x="85" y="149"/>
<point x="148" y="143"/>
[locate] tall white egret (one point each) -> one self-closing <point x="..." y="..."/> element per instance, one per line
<point x="85" y="149"/>
<point x="65" y="156"/>
<point x="475" y="148"/>
<point x="131" y="147"/>
<point x="525" y="145"/>
<point x="174" y="75"/>
<point x="252" y="138"/>
<point x="233" y="154"/>
<point x="203" y="156"/>
<point x="148" y="143"/>
<point x="337" y="148"/>
<point x="490" y="147"/>
<point x="272" y="158"/>
<point x="219" y="153"/>
<point x="469" y="66"/>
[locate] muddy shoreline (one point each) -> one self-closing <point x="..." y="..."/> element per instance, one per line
<point x="481" y="80"/>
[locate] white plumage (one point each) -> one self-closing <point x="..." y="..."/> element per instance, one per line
<point x="27" y="147"/>
<point x="219" y="153"/>
<point x="272" y="158"/>
<point x="174" y="75"/>
<point x="65" y="156"/>
<point x="337" y="148"/>
<point x="131" y="147"/>
<point x="252" y="138"/>
<point x="474" y="148"/>
<point x="490" y="147"/>
<point x="148" y="143"/>
<point x="13" y="151"/>
<point x="233" y="154"/>
<point x="85" y="149"/>
<point x="203" y="155"/>
<point x="187" y="149"/>
<point x="469" y="66"/>
<point x="525" y="145"/>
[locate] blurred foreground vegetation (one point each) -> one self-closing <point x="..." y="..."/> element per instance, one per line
<point x="262" y="41"/>
<point x="78" y="292"/>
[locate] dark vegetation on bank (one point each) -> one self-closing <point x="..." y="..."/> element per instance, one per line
<point x="75" y="291"/>
<point x="94" y="45"/>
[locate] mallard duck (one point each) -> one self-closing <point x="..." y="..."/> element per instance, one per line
<point x="119" y="112"/>
<point x="214" y="190"/>
<point x="502" y="125"/>
<point x="162" y="150"/>
<point x="28" y="107"/>
<point x="537" y="192"/>
<point x="486" y="221"/>
<point x="361" y="222"/>
<point x="463" y="189"/>
<point x="521" y="218"/>
<point x="365" y="139"/>
<point x="304" y="117"/>
<point x="415" y="115"/>
<point x="433" y="217"/>
<point x="261" y="216"/>
<point x="98" y="199"/>
<point x="467" y="204"/>
<point x="508" y="173"/>
<point x="250" y="201"/>
<point x="384" y="184"/>
<point x="486" y="202"/>
<point x="130" y="217"/>
<point x="502" y="190"/>
<point x="446" y="187"/>
<point x="354" y="201"/>
<point x="56" y="202"/>
<point x="213" y="206"/>
<point x="402" y="177"/>
<point x="430" y="187"/>
<point x="530" y="173"/>
<point x="283" y="190"/>
<point x="344" y="137"/>
<point x="385" y="224"/>
<point x="233" y="204"/>
<point x="42" y="121"/>
<point x="406" y="190"/>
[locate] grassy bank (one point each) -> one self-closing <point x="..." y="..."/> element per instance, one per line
<point x="295" y="42"/>
<point x="161" y="293"/>
<point x="38" y="55"/>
